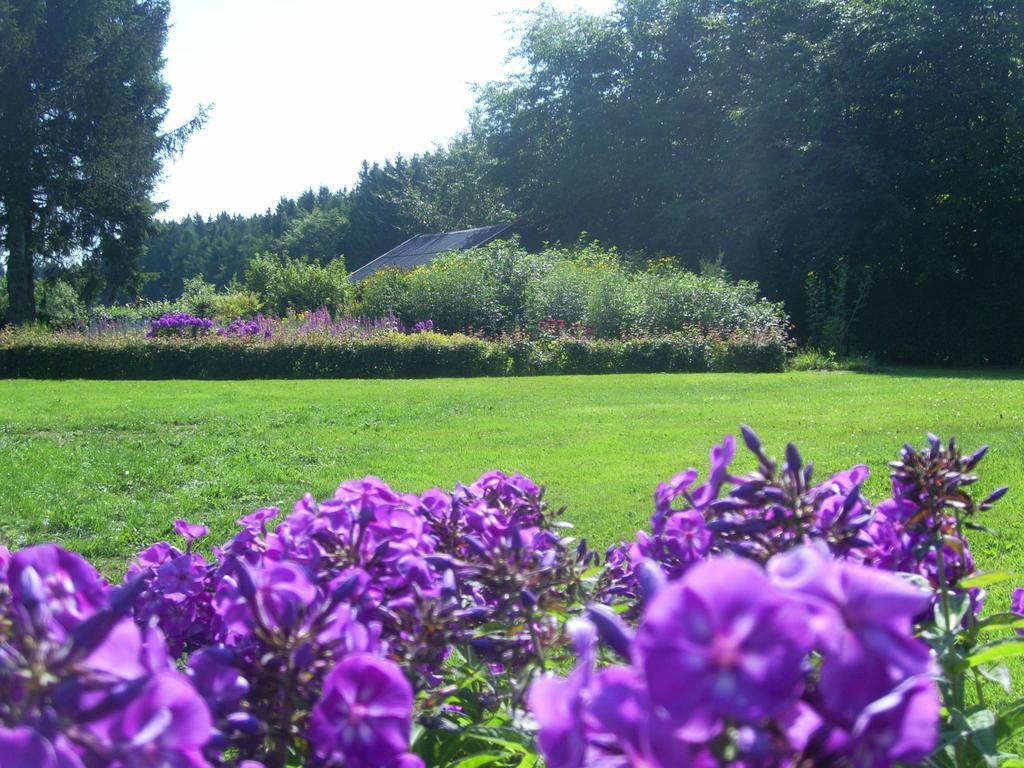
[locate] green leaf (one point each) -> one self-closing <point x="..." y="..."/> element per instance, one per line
<point x="958" y="605"/>
<point x="998" y="674"/>
<point x="510" y="738"/>
<point x="982" y="734"/>
<point x="475" y="761"/>
<point x="989" y="579"/>
<point x="1001" y="649"/>
<point x="1000" y="621"/>
<point x="1010" y="722"/>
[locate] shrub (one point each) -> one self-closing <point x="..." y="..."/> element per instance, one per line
<point x="59" y="305"/>
<point x="514" y="271"/>
<point x="137" y="313"/>
<point x="560" y="293"/>
<point x="292" y="285"/>
<point x="583" y="286"/>
<point x="817" y="360"/>
<point x="502" y="288"/>
<point x="369" y="353"/>
<point x="236" y="303"/>
<point x="384" y="291"/>
<point x="457" y="292"/>
<point x="199" y="297"/>
<point x="665" y="298"/>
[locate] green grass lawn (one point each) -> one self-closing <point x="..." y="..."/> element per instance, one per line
<point x="105" y="467"/>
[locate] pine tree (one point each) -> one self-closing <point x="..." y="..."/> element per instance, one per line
<point x="82" y="100"/>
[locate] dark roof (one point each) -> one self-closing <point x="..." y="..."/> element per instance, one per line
<point x="421" y="249"/>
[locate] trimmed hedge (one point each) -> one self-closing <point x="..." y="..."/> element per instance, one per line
<point x="392" y="355"/>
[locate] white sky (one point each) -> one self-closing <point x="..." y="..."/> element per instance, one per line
<point x="305" y="90"/>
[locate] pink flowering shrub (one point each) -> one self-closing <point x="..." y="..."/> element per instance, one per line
<point x="763" y="620"/>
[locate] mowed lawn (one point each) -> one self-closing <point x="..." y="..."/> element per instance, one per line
<point x="104" y="468"/>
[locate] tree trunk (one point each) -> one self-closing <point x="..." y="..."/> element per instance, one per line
<point x="20" y="272"/>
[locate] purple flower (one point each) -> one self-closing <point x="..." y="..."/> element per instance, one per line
<point x="167" y="723"/>
<point x="863" y="624"/>
<point x="23" y="747"/>
<point x="190" y="531"/>
<point x="214" y="676"/>
<point x="558" y="704"/>
<point x="619" y="709"/>
<point x="179" y="324"/>
<point x="70" y="590"/>
<point x="1017" y="604"/>
<point x="363" y="718"/>
<point x="901" y="727"/>
<point x="722" y="642"/>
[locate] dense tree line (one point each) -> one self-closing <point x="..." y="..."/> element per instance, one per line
<point x="862" y="160"/>
<point x="448" y="188"/>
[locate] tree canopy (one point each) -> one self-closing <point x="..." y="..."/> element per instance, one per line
<point x="862" y="160"/>
<point x="82" y="99"/>
<point x="872" y="147"/>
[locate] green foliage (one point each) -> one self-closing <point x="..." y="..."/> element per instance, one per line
<point x="792" y="138"/>
<point x="384" y="291"/>
<point x="665" y="298"/>
<point x="59" y="305"/>
<point x="812" y="359"/>
<point x="82" y="102"/>
<point x="502" y="287"/>
<point x="199" y="297"/>
<point x="560" y="293"/>
<point x="584" y="285"/>
<point x="4" y="301"/>
<point x="514" y="271"/>
<point x="457" y="292"/>
<point x="286" y="284"/>
<point x="320" y="236"/>
<point x="236" y="303"/>
<point x="137" y="313"/>
<point x="449" y="188"/>
<point x="202" y="299"/>
<point x="831" y="311"/>
<point x="31" y="353"/>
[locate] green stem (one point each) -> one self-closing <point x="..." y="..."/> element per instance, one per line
<point x="954" y="683"/>
<point x="971" y="620"/>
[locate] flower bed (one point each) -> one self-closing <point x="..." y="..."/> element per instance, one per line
<point x="764" y="620"/>
<point x="379" y="352"/>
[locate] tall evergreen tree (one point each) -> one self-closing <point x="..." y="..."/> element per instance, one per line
<point x="82" y="99"/>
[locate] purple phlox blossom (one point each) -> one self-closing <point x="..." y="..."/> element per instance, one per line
<point x="24" y="747"/>
<point x="167" y="723"/>
<point x="722" y="641"/>
<point x="190" y="531"/>
<point x="69" y="588"/>
<point x="558" y="704"/>
<point x="363" y="718"/>
<point x="679" y="486"/>
<point x="179" y="324"/>
<point x="178" y="595"/>
<point x="873" y="671"/>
